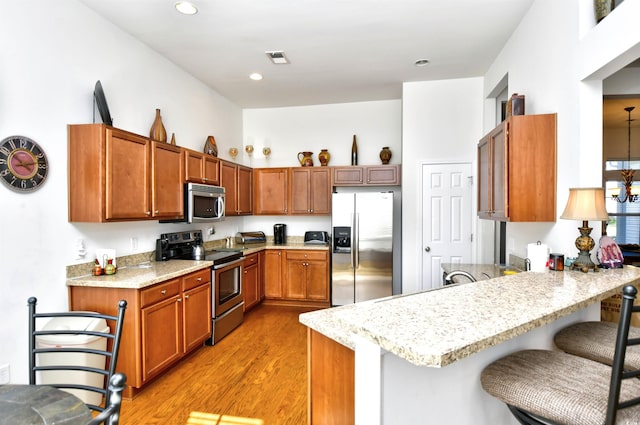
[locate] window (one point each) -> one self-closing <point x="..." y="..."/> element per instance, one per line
<point x="624" y="218"/>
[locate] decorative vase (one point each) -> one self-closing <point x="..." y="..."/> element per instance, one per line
<point x="305" y="159"/>
<point x="354" y="151"/>
<point x="324" y="157"/>
<point x="210" y="146"/>
<point x="158" y="133"/>
<point x="385" y="155"/>
<point x="173" y="139"/>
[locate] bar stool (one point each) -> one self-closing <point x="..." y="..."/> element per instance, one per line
<point x="596" y="341"/>
<point x="542" y="386"/>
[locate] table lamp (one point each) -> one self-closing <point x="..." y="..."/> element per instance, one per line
<point x="585" y="204"/>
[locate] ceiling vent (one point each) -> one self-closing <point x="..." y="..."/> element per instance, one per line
<point x="277" y="57"/>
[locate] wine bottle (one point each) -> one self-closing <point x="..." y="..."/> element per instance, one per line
<point x="354" y="151"/>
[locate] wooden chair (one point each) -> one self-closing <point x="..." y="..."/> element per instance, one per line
<point x="62" y="361"/>
<point x="543" y="386"/>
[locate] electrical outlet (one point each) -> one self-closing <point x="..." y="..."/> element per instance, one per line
<point x="134" y="244"/>
<point x="5" y="374"/>
<point x="211" y="230"/>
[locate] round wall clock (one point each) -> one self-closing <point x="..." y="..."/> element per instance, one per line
<point x="23" y="164"/>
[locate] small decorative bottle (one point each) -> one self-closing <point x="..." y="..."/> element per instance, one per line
<point x="324" y="157"/>
<point x="385" y="155"/>
<point x="354" y="151"/>
<point x="158" y="133"/>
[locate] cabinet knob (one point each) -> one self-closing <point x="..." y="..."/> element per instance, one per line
<point x="179" y="300"/>
<point x="148" y="213"/>
<point x="186" y="297"/>
<point x="163" y="292"/>
<point x="199" y="279"/>
<point x="157" y="211"/>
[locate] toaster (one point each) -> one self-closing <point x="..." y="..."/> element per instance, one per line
<point x="316" y="238"/>
<point x="243" y="238"/>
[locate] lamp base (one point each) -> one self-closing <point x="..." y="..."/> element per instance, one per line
<point x="585" y="244"/>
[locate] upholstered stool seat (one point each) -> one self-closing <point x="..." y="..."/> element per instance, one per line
<point x="558" y="386"/>
<point x="597" y="341"/>
<point x="553" y="387"/>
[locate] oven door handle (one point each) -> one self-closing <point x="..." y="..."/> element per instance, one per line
<point x="230" y="263"/>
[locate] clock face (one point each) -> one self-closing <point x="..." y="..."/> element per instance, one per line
<point x="23" y="164"/>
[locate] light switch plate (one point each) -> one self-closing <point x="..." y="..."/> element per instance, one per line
<point x="5" y="374"/>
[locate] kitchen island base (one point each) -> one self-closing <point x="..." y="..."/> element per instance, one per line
<point x="387" y="390"/>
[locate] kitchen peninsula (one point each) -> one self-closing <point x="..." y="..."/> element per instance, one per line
<point x="417" y="358"/>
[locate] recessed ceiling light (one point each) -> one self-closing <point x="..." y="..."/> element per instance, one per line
<point x="255" y="76"/>
<point x="186" y="8"/>
<point x="421" y="62"/>
<point x="277" y="57"/>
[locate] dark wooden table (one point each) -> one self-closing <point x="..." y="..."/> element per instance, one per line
<point x="41" y="404"/>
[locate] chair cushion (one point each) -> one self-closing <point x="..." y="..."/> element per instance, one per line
<point x="597" y="341"/>
<point x="558" y="386"/>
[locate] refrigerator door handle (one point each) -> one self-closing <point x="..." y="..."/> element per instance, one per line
<point x="355" y="241"/>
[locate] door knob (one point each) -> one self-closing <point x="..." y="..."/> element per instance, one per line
<point x="427" y="249"/>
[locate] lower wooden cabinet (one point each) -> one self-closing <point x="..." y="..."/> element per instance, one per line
<point x="331" y="377"/>
<point x="303" y="277"/>
<point x="251" y="281"/>
<point x="162" y="323"/>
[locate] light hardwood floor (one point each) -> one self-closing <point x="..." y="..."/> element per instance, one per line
<point x="257" y="371"/>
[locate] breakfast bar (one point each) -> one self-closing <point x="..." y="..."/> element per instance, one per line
<point x="417" y="358"/>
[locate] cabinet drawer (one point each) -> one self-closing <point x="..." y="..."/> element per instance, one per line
<point x="196" y="279"/>
<point x="307" y="255"/>
<point x="159" y="292"/>
<point x="250" y="260"/>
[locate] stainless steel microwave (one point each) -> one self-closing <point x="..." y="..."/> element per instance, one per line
<point x="203" y="203"/>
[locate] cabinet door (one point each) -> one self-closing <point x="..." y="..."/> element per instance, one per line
<point x="167" y="199"/>
<point x="383" y="175"/>
<point x="300" y="191"/>
<point x="250" y="280"/>
<point x="197" y="316"/>
<point x="211" y="168"/>
<point x="484" y="178"/>
<point x="126" y="178"/>
<point x="317" y="281"/>
<point x="295" y="286"/>
<point x="193" y="171"/>
<point x="270" y="191"/>
<point x="244" y="195"/>
<point x="320" y="191"/>
<point x="161" y="336"/>
<point x="228" y="181"/>
<point x="499" y="197"/>
<point x="273" y="273"/>
<point x="348" y="176"/>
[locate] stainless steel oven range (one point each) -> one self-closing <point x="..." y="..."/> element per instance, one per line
<point x="226" y="278"/>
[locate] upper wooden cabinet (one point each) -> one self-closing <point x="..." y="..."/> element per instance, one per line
<point x="200" y="167"/>
<point x="114" y="175"/>
<point x="271" y="187"/>
<point x="368" y="175"/>
<point x="517" y="168"/>
<point x="237" y="181"/>
<point x="310" y="191"/>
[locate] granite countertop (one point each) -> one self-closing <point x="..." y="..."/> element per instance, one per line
<point x="137" y="275"/>
<point x="437" y="327"/>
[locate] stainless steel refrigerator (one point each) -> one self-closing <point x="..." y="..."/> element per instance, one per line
<point x="362" y="246"/>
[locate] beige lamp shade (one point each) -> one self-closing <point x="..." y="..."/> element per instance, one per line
<point x="585" y="203"/>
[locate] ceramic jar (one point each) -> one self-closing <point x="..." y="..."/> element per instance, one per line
<point x="385" y="155"/>
<point x="324" y="157"/>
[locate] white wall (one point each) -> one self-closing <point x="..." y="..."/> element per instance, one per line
<point x="441" y="122"/>
<point x="53" y="53"/>
<point x="290" y="130"/>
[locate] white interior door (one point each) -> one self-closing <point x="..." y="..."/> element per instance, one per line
<point x="447" y="213"/>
